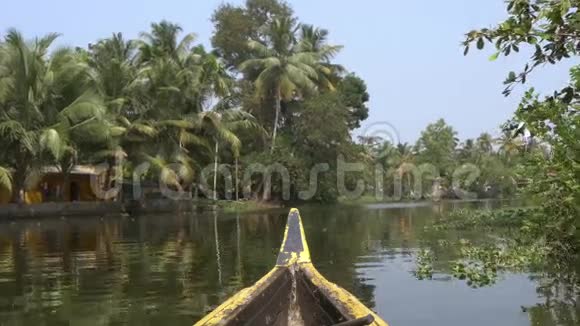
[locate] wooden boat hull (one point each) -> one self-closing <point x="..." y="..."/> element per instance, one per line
<point x="293" y="293"/>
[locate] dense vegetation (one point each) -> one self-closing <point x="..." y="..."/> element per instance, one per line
<point x="164" y="100"/>
<point x="543" y="239"/>
<point x="267" y="93"/>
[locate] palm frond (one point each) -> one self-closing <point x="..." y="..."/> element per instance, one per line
<point x="185" y="43"/>
<point x="87" y="106"/>
<point x="267" y="79"/>
<point x="13" y="133"/>
<point x="5" y="179"/>
<point x="187" y="138"/>
<point x="143" y="129"/>
<point x="14" y="38"/>
<point x="117" y="131"/>
<point x="51" y="141"/>
<point x="176" y="123"/>
<point x="108" y="153"/>
<point x="260" y="49"/>
<point x="300" y="78"/>
<point x="43" y="43"/>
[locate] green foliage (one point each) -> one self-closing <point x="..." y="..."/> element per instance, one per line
<point x="552" y="30"/>
<point x="235" y="25"/>
<point x="437" y="145"/>
<point x="284" y="67"/>
<point x="516" y="245"/>
<point x="480" y="265"/>
<point x="322" y="129"/>
<point x="355" y="96"/>
<point x="467" y="219"/>
<point x="424" y="264"/>
<point x="5" y="179"/>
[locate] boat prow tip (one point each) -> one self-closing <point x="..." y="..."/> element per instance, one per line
<point x="294" y="247"/>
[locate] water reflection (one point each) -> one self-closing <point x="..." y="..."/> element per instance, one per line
<point x="171" y="269"/>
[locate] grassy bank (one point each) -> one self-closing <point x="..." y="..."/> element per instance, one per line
<point x="363" y="200"/>
<point x="242" y="206"/>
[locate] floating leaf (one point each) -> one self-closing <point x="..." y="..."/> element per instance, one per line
<point x="494" y="56"/>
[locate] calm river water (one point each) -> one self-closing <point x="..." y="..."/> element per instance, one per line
<point x="169" y="270"/>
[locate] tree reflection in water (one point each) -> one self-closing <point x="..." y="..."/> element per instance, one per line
<point x="172" y="269"/>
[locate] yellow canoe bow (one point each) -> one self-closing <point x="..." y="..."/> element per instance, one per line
<point x="293" y="293"/>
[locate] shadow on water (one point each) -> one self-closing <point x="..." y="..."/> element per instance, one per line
<point x="172" y="269"/>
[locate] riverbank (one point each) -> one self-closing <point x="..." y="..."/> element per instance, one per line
<point x="242" y="206"/>
<point x="133" y="208"/>
<point x="163" y="206"/>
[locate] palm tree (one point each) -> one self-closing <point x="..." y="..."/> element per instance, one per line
<point x="315" y="40"/>
<point x="239" y="121"/>
<point x="509" y="145"/>
<point x="467" y="152"/>
<point x="214" y="80"/>
<point x="222" y="128"/>
<point x="279" y="68"/>
<point x="168" y="81"/>
<point x="485" y="143"/>
<point x="113" y="61"/>
<point x="162" y="42"/>
<point x="44" y="98"/>
<point x="405" y="156"/>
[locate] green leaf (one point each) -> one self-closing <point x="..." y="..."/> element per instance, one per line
<point x="494" y="56"/>
<point x="480" y="43"/>
<point x="510" y="6"/>
<point x="565" y="7"/>
<point x="466" y="51"/>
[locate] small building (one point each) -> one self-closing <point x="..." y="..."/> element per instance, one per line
<point x="83" y="180"/>
<point x="83" y="183"/>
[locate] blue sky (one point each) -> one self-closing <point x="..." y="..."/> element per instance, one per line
<point x="408" y="52"/>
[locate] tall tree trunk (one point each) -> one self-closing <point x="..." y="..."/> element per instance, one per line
<point x="18" y="187"/>
<point x="18" y="179"/>
<point x="278" y="108"/>
<point x="267" y="191"/>
<point x="66" y="187"/>
<point x="237" y="181"/>
<point x="215" y="166"/>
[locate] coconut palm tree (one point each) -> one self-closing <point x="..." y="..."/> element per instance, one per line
<point x="44" y="98"/>
<point x="485" y="143"/>
<point x="214" y="79"/>
<point x="509" y="145"/>
<point x="162" y="42"/>
<point x="315" y="40"/>
<point x="467" y="152"/>
<point x="279" y="68"/>
<point x="404" y="158"/>
<point x="113" y="61"/>
<point x="168" y="79"/>
<point x="222" y="128"/>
